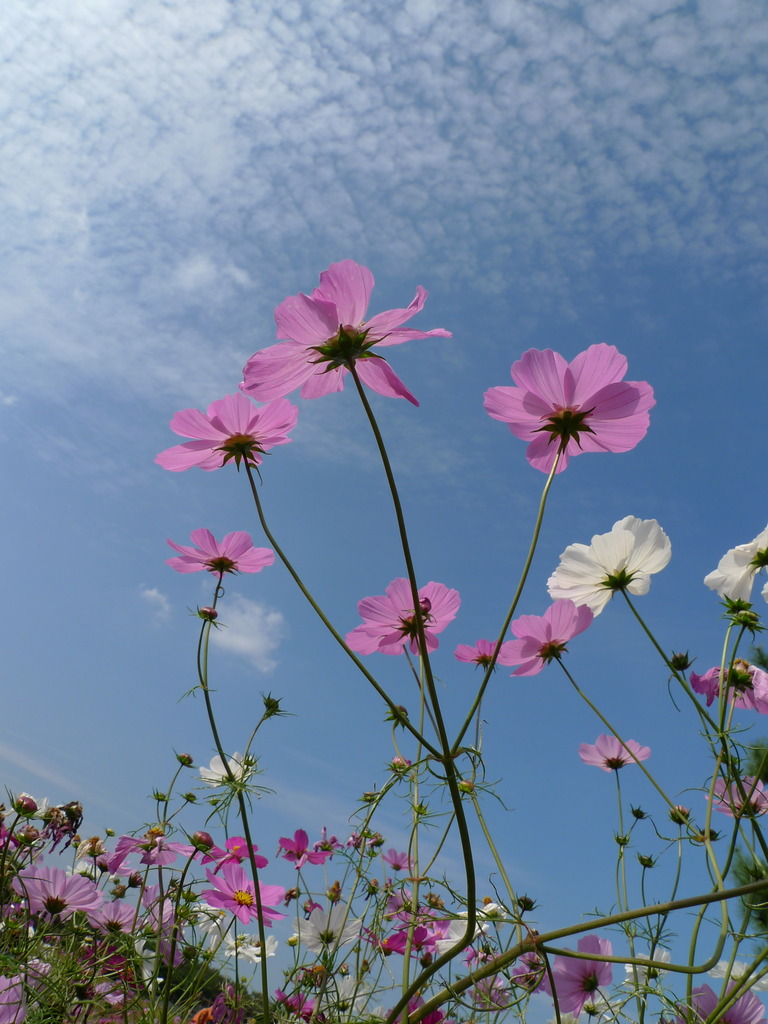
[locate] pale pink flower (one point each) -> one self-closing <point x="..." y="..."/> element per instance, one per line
<point x="235" y="553"/>
<point x="747" y="801"/>
<point x="482" y="653"/>
<point x="53" y="893"/>
<point x="13" y="1006"/>
<point x="390" y="620"/>
<point x="576" y="982"/>
<point x="608" y="753"/>
<point x="234" y="891"/>
<point x="397" y="861"/>
<point x="327" y="334"/>
<point x="231" y="428"/>
<point x="746" y="1010"/>
<point x="542" y="638"/>
<point x="581" y="406"/>
<point x="747" y="686"/>
<point x="736" y="571"/>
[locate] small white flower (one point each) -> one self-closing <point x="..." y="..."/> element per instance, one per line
<point x="215" y="774"/>
<point x="738" y="567"/>
<point x="647" y="974"/>
<point x="248" y="947"/>
<point x="736" y="971"/>
<point x="327" y="929"/>
<point x="623" y="559"/>
<point x="346" y="998"/>
<point x="213" y="921"/>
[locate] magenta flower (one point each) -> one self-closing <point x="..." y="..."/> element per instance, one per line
<point x="747" y="686"/>
<point x="391" y="620"/>
<point x="328" y="334"/>
<point x="235" y="852"/>
<point x="153" y="846"/>
<point x="234" y="891"/>
<point x="297" y="850"/>
<point x="746" y="1010"/>
<point x="610" y="754"/>
<point x="746" y="801"/>
<point x="53" y="893"/>
<point x="235" y="553"/>
<point x="577" y="981"/>
<point x="232" y="428"/>
<point x="581" y="406"/>
<point x="542" y="638"/>
<point x="482" y="653"/>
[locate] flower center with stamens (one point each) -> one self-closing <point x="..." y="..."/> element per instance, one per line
<point x="408" y="625"/>
<point x="349" y="345"/>
<point x="54" y="904"/>
<point x="243" y="898"/>
<point x="221" y="564"/>
<point x="547" y="652"/>
<point x="566" y="425"/>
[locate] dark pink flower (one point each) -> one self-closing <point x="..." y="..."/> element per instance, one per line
<point x="542" y="638"/>
<point x="53" y="893"/>
<point x="235" y="852"/>
<point x="747" y="801"/>
<point x="746" y="1010"/>
<point x="581" y="406"/>
<point x="234" y="891"/>
<point x="154" y="849"/>
<point x="747" y="686"/>
<point x="610" y="755"/>
<point x="327" y="334"/>
<point x="232" y="428"/>
<point x="297" y="850"/>
<point x="482" y="653"/>
<point x="577" y="981"/>
<point x="390" y="620"/>
<point x="235" y="553"/>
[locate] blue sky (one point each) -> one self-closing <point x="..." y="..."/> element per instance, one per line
<point x="556" y="175"/>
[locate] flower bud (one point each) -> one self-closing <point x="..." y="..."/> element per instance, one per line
<point x="202" y="841"/>
<point x="681" y="662"/>
<point x="25" y="805"/>
<point x="209" y="614"/>
<point x="645" y="862"/>
<point x="466" y="786"/>
<point x="680" y="815"/>
<point x="185" y="759"/>
<point x="135" y="881"/>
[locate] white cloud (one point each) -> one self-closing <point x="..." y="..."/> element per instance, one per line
<point x="250" y="630"/>
<point x="157" y="601"/>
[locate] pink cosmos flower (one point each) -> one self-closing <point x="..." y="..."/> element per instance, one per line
<point x="482" y="653"/>
<point x="747" y="801"/>
<point x="117" y="916"/>
<point x="234" y="891"/>
<point x="53" y="893"/>
<point x="746" y="1010"/>
<point x="577" y="981"/>
<point x="328" y="334"/>
<point x="747" y="686"/>
<point x="581" y="406"/>
<point x="610" y="755"/>
<point x="232" y="428"/>
<point x="390" y="621"/>
<point x="13" y="1006"/>
<point x="235" y="852"/>
<point x="235" y="553"/>
<point x="397" y="861"/>
<point x="297" y="850"/>
<point x="541" y="638"/>
<point x="154" y="848"/>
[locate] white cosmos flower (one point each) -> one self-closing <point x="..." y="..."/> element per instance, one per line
<point x="736" y="971"/>
<point x="738" y="567"/>
<point x="327" y="929"/>
<point x="646" y="974"/>
<point x="216" y="775"/>
<point x="623" y="559"/>
<point x="248" y="947"/>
